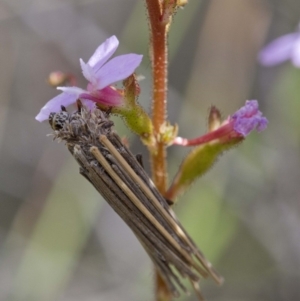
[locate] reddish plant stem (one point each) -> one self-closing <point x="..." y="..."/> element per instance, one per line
<point x="159" y="69"/>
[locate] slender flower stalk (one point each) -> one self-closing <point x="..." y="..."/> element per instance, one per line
<point x="239" y="125"/>
<point x="159" y="68"/>
<point x="158" y="32"/>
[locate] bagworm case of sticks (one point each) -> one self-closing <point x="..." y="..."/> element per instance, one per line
<point x="119" y="177"/>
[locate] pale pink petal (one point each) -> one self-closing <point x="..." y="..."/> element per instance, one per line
<point x="296" y="53"/>
<point x="88" y="72"/>
<point x="71" y="90"/>
<point x="117" y="69"/>
<point x="279" y="50"/>
<point x="103" y="53"/>
<point x="54" y="105"/>
<point x="106" y="96"/>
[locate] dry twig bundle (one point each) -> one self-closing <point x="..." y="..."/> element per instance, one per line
<point x="120" y="178"/>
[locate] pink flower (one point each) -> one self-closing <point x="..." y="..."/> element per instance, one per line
<point x="239" y="125"/>
<point x="100" y="73"/>
<point x="286" y="47"/>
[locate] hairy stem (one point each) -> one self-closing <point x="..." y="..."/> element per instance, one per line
<point x="159" y="67"/>
<point x="159" y="70"/>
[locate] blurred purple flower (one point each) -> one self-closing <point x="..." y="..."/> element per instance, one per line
<point x="286" y="47"/>
<point x="239" y="125"/>
<point x="100" y="74"/>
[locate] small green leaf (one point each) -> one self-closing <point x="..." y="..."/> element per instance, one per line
<point x="198" y="162"/>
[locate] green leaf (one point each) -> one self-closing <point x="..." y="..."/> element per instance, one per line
<point x="196" y="163"/>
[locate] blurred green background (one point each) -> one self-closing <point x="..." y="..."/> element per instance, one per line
<point x="60" y="241"/>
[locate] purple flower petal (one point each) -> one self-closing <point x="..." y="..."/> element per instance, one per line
<point x="71" y="90"/>
<point x="54" y="105"/>
<point x="262" y="124"/>
<point x="88" y="72"/>
<point x="279" y="50"/>
<point x="249" y="118"/>
<point x="296" y="53"/>
<point x="103" y="53"/>
<point x="117" y="69"/>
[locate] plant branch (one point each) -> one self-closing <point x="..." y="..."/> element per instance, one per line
<point x="159" y="71"/>
<point x="159" y="67"/>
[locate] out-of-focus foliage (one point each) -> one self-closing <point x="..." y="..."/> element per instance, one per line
<point x="60" y="241"/>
